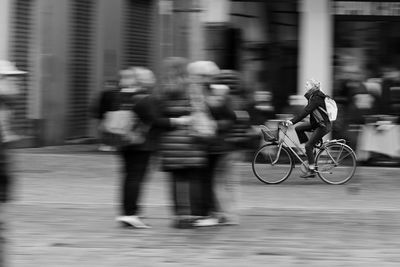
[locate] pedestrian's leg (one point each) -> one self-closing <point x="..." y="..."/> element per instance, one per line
<point x="135" y="165"/>
<point x="2" y="242"/>
<point x="181" y="197"/>
<point x="203" y="193"/>
<point x="210" y="200"/>
<point x="174" y="192"/>
<point x="181" y="192"/>
<point x="198" y="192"/>
<point x="227" y="184"/>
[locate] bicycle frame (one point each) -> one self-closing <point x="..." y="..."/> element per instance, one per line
<point x="282" y="142"/>
<point x="335" y="161"/>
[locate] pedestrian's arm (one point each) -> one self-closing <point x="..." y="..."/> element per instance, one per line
<point x="227" y="121"/>
<point x="152" y="115"/>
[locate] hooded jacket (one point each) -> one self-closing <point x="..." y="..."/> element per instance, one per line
<point x="316" y="101"/>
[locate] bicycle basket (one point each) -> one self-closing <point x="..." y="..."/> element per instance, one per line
<point x="270" y="134"/>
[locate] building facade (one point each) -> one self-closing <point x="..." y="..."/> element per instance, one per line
<point x="70" y="47"/>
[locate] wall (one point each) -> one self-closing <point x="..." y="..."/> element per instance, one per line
<point x="51" y="59"/>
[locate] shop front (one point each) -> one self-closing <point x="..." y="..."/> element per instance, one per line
<point x="367" y="42"/>
<point x="367" y="74"/>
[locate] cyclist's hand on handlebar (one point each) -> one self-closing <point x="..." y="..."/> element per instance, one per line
<point x="288" y="123"/>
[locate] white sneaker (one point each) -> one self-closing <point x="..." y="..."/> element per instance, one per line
<point x="228" y="220"/>
<point x="132" y="221"/>
<point x="206" y="222"/>
<point x="106" y="148"/>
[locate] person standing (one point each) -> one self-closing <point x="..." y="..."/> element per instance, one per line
<point x="136" y="96"/>
<point x="227" y="105"/>
<point x="183" y="153"/>
<point x="219" y="152"/>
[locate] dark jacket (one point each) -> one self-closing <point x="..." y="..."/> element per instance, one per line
<point x="225" y="118"/>
<point x="106" y="102"/>
<point x="146" y="107"/>
<point x="179" y="149"/>
<point x="316" y="101"/>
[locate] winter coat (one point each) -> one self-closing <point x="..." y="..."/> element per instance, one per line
<point x="146" y="108"/>
<point x="225" y="118"/>
<point x="179" y="149"/>
<point x="316" y="100"/>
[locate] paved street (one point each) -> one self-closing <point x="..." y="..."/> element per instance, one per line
<point x="66" y="198"/>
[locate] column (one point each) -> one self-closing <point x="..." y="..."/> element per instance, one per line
<point x="5" y="11"/>
<point x="197" y="37"/>
<point x="216" y="29"/>
<point x="52" y="63"/>
<point x="315" y="44"/>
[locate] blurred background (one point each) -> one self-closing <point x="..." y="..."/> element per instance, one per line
<point x="70" y="48"/>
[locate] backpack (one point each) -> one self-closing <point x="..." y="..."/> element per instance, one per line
<point x="331" y="108"/>
<point x="123" y="126"/>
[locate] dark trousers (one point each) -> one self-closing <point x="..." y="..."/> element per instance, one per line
<point x="187" y="191"/>
<point x="208" y="201"/>
<point x="316" y="136"/>
<point x="135" y="164"/>
<point x="181" y="191"/>
<point x="2" y="243"/>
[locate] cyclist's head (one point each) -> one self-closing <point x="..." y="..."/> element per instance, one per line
<point x="312" y="86"/>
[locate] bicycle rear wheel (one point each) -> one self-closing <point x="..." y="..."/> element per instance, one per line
<point x="336" y="163"/>
<point x="268" y="171"/>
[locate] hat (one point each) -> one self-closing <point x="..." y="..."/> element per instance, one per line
<point x="8" y="68"/>
<point x="203" y="68"/>
<point x="127" y="78"/>
<point x="144" y="76"/>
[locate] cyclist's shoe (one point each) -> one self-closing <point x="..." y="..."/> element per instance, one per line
<point x="318" y="144"/>
<point x="309" y="174"/>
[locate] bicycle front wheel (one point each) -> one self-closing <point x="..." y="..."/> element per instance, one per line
<point x="336" y="163"/>
<point x="270" y="168"/>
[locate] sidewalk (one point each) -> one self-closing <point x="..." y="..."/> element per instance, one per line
<point x="66" y="200"/>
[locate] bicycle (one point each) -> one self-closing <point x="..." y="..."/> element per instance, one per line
<point x="274" y="161"/>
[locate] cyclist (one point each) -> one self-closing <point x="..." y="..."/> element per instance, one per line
<point x="319" y="123"/>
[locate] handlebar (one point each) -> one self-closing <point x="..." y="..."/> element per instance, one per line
<point x="280" y="123"/>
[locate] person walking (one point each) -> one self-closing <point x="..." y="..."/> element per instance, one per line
<point x="319" y="124"/>
<point x="227" y="103"/>
<point x="183" y="152"/>
<point x="135" y="95"/>
<point x="219" y="152"/>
